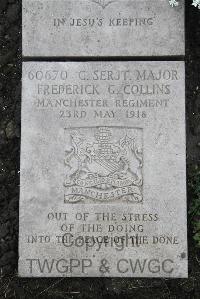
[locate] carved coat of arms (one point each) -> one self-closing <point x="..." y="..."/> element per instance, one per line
<point x="104" y="164"/>
<point x="103" y="3"/>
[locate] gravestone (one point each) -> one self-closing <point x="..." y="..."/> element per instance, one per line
<point x="103" y="170"/>
<point x="71" y="28"/>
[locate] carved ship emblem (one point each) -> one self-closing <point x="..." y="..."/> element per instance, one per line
<point x="103" y="3"/>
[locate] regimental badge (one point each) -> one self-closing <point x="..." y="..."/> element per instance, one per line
<point x="103" y="3"/>
<point x="103" y="164"/>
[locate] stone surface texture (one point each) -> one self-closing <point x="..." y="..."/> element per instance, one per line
<point x="103" y="154"/>
<point x="102" y="28"/>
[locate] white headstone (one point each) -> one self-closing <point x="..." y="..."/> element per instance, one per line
<point x="103" y="170"/>
<point x="102" y="28"/>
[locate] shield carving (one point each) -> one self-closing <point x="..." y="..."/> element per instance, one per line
<point x="103" y="3"/>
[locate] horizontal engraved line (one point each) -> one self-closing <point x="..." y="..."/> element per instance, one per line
<point x="101" y="58"/>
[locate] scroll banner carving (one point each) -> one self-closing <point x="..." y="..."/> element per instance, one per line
<point x="75" y="194"/>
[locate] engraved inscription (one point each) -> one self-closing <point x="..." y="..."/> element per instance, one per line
<point x="102" y="172"/>
<point x="104" y="164"/>
<point x="93" y="28"/>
